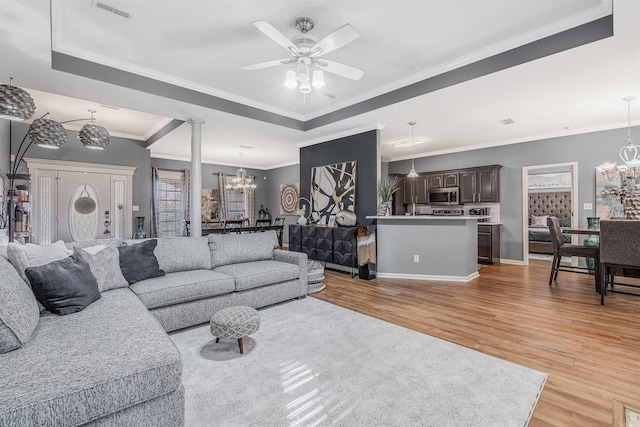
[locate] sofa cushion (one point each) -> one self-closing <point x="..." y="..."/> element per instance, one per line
<point x="138" y="261"/>
<point x="237" y="248"/>
<point x="30" y="255"/>
<point x="65" y="286"/>
<point x="94" y="242"/>
<point x="19" y="311"/>
<point x="251" y="275"/>
<point x="105" y="266"/>
<point x="183" y="254"/>
<point x="78" y="368"/>
<point x="182" y="286"/>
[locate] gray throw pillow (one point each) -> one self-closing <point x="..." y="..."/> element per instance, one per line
<point x="65" y="286"/>
<point x="105" y="266"/>
<point x="19" y="312"/>
<point x="30" y="255"/>
<point x="138" y="262"/>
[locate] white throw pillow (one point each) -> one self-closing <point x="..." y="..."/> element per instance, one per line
<point x="30" y="255"/>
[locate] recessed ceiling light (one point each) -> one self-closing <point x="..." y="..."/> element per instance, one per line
<point x="408" y="142"/>
<point x="507" y="121"/>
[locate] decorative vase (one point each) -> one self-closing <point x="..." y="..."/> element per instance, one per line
<point x="593" y="223"/>
<point x="140" y="233"/>
<point x="389" y="208"/>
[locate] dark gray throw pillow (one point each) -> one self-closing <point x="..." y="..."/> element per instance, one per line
<point x="138" y="262"/>
<point x="65" y="286"/>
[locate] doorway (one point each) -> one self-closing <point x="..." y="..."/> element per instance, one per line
<point x="547" y="190"/>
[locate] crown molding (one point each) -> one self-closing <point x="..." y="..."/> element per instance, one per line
<point x="338" y="135"/>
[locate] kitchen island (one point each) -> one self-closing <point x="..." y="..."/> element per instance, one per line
<point x="427" y="247"/>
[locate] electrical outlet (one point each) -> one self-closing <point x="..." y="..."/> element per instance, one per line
<point x="587" y="206"/>
<point x="416" y="258"/>
<point x="135" y="208"/>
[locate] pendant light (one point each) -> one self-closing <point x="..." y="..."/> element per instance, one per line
<point x="412" y="172"/>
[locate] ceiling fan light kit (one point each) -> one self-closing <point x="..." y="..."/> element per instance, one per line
<point x="305" y="50"/>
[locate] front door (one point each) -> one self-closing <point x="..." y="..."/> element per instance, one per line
<point x="84" y="206"/>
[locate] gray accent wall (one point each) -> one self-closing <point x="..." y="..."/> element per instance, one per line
<point x="275" y="177"/>
<point x="121" y="151"/>
<point x="589" y="150"/>
<point x="363" y="148"/>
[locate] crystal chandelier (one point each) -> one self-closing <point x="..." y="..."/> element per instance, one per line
<point x="241" y="182"/>
<point x="630" y="155"/>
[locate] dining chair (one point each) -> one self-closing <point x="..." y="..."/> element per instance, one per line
<point x="561" y="249"/>
<point x="261" y="224"/>
<point x="233" y="226"/>
<point x="619" y="253"/>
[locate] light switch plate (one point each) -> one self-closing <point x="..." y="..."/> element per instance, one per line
<point x="135" y="208"/>
<point x="587" y="206"/>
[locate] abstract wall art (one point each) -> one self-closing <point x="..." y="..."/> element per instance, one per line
<point x="289" y="196"/>
<point x="333" y="189"/>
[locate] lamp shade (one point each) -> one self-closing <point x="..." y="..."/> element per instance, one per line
<point x="290" y="79"/>
<point x="47" y="133"/>
<point x="94" y="136"/>
<point x="318" y="79"/>
<point x="15" y="103"/>
<point x="305" y="87"/>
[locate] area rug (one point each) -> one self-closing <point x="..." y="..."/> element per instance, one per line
<point x="312" y="363"/>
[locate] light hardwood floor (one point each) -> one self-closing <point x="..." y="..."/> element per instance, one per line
<point x="591" y="352"/>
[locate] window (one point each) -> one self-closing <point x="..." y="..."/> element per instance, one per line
<point x="170" y="203"/>
<point x="236" y="203"/>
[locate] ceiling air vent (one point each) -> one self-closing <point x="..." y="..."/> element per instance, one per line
<point x="248" y="147"/>
<point x="507" y="121"/>
<point x="104" y="6"/>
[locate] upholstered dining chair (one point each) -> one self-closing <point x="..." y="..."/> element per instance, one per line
<point x="619" y="252"/>
<point x="561" y="249"/>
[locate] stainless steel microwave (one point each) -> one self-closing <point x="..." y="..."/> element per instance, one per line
<point x="444" y="196"/>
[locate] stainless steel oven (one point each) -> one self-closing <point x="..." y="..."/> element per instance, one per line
<point x="444" y="196"/>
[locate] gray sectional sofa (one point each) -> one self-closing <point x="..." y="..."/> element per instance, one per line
<point x="112" y="364"/>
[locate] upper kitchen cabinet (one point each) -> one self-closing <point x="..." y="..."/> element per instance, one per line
<point x="443" y="179"/>
<point x="415" y="189"/>
<point x="480" y="185"/>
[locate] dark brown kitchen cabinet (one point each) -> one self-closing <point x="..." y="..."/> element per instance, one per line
<point x="440" y="180"/>
<point x="415" y="189"/>
<point x="480" y="185"/>
<point x="489" y="243"/>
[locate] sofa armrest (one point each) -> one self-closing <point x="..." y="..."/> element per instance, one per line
<point x="298" y="258"/>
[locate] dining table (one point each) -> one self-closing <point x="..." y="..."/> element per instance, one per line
<point x="582" y="230"/>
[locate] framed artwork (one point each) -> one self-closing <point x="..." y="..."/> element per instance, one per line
<point x="209" y="205"/>
<point x="333" y="189"/>
<point x="550" y="180"/>
<point x="289" y="196"/>
<point x="617" y="198"/>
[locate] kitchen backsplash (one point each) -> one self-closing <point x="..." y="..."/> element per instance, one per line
<point x="494" y="209"/>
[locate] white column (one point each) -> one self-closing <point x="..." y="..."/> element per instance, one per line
<point x="196" y="178"/>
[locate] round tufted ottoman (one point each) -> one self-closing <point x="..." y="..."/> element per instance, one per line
<point x="315" y="281"/>
<point x="235" y="323"/>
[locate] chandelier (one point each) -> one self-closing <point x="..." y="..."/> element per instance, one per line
<point x="630" y="155"/>
<point x="241" y="182"/>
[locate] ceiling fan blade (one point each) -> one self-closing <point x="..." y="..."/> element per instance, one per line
<point x="343" y="70"/>
<point x="275" y="35"/>
<point x="268" y="64"/>
<point x="340" y="37"/>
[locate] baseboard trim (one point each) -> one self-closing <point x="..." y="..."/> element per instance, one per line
<point x="511" y="261"/>
<point x="428" y="277"/>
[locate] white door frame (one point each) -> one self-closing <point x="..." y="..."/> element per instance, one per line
<point x="573" y="166"/>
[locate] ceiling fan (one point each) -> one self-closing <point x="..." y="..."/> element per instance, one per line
<point x="305" y="50"/>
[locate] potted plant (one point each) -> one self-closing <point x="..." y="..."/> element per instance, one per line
<point x="22" y="192"/>
<point x="387" y="186"/>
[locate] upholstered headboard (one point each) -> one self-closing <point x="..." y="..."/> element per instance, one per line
<point x="552" y="204"/>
